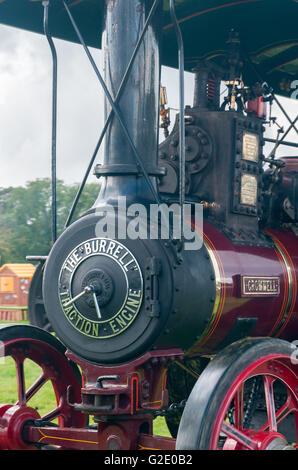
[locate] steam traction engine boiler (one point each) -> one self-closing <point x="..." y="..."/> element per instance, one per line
<point x="147" y="321"/>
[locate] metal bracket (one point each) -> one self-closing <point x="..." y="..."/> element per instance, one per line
<point x="152" y="287"/>
<point x="106" y="377"/>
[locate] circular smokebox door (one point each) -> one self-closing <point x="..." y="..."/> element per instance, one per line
<point x="94" y="295"/>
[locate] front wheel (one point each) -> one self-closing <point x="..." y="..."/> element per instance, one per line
<point x="36" y="381"/>
<point x="243" y="400"/>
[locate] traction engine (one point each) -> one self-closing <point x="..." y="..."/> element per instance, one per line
<point x="158" y="326"/>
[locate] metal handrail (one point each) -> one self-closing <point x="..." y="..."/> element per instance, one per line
<point x="181" y="110"/>
<point x="281" y="141"/>
<point x="45" y="4"/>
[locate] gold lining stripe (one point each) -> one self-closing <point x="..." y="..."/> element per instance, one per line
<point x="64" y="439"/>
<point x="286" y="294"/>
<point x="220" y="295"/>
<point x="290" y="278"/>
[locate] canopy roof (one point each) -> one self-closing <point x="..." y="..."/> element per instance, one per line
<point x="268" y="31"/>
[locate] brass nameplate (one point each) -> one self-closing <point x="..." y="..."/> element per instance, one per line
<point x="251" y="147"/>
<point x="260" y="285"/>
<point x="249" y="190"/>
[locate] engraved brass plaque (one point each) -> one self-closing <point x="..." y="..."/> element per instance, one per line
<point x="249" y="190"/>
<point x="260" y="285"/>
<point x="250" y="149"/>
<point x="112" y="322"/>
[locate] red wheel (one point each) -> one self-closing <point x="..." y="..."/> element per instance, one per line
<point x="246" y="399"/>
<point x="33" y="371"/>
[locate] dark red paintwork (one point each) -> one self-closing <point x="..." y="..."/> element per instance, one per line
<point x="290" y="168"/>
<point x="120" y="436"/>
<point x="277" y="315"/>
<point x="135" y="387"/>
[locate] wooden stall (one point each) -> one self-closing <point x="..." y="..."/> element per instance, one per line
<point x="14" y="288"/>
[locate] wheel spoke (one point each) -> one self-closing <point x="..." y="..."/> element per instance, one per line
<point x="270" y="404"/>
<point x="20" y="381"/>
<point x="239" y="407"/>
<point x="52" y="414"/>
<point x="239" y="436"/>
<point x="282" y="413"/>
<point x="42" y="379"/>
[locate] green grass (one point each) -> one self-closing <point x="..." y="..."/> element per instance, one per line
<point x="160" y="427"/>
<point x="45" y="399"/>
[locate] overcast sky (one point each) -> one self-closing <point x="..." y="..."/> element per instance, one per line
<point x="25" y="108"/>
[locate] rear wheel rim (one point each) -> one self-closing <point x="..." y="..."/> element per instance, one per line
<point x="229" y="435"/>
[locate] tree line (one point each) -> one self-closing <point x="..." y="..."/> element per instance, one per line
<point x="25" y="216"/>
